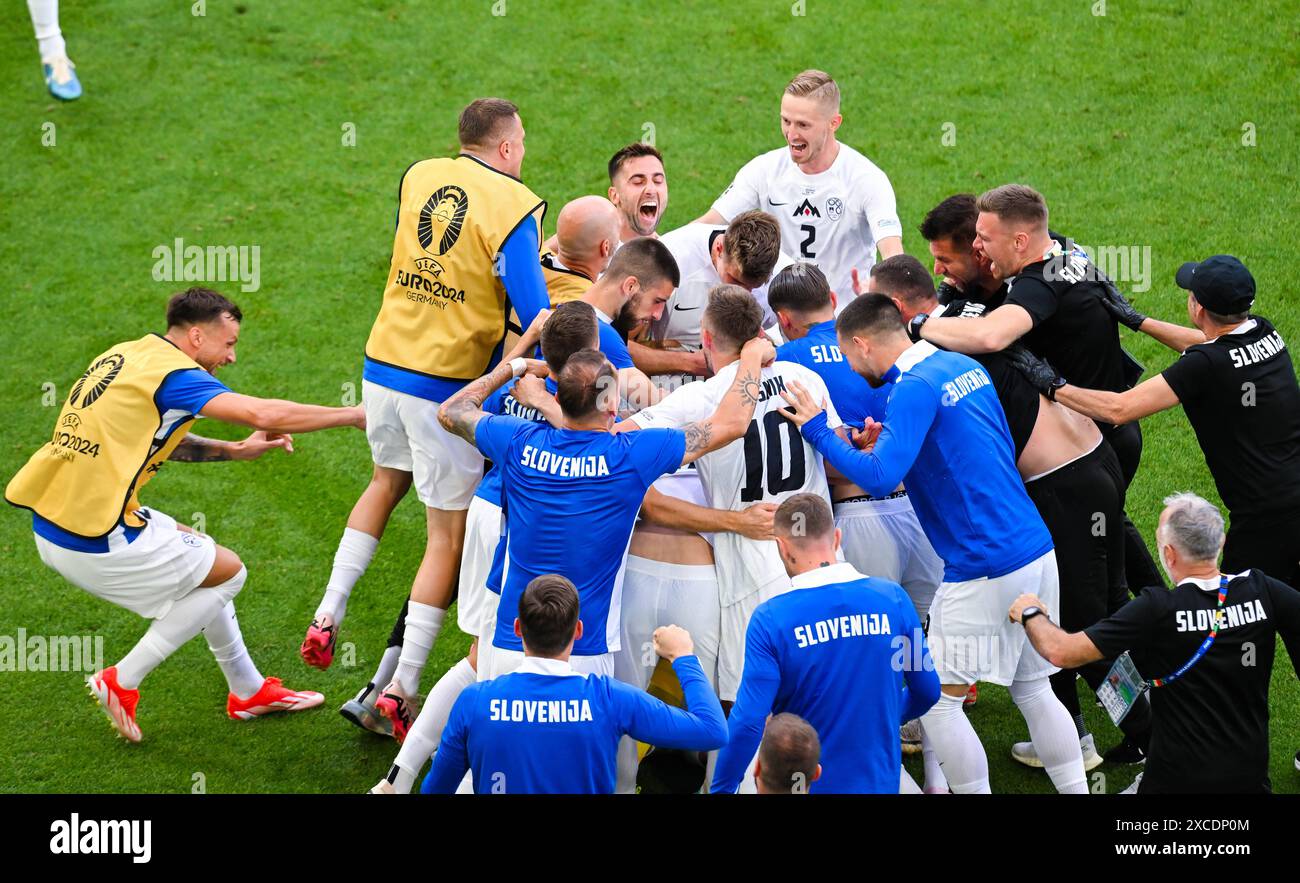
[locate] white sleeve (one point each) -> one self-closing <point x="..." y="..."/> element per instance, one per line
<point x="744" y="193"/>
<point x="879" y="206"/>
<point x="684" y="405"/>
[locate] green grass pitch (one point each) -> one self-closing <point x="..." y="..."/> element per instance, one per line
<point x="1154" y="125"/>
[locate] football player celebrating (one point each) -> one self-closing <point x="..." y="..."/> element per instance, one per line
<point x="638" y="187"/>
<point x="466" y="249"/>
<point x="127" y="415"/>
<point x="835" y="206"/>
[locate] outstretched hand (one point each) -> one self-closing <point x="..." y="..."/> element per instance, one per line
<point x="1119" y="307"/>
<point x="802" y="405"/>
<point x="260" y="442"/>
<point x="1041" y="375"/>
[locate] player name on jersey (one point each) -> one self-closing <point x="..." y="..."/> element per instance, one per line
<point x="565" y="467"/>
<point x="964" y="384"/>
<point x="853" y="625"/>
<point x="540" y="711"/>
<point x="1229" y="617"/>
<point x="1261" y="350"/>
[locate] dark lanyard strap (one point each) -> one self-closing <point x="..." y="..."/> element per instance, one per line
<point x="1205" y="645"/>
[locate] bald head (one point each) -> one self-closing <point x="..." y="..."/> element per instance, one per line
<point x="587" y="232"/>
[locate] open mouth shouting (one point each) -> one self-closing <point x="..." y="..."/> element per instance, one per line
<point x="647" y="215"/>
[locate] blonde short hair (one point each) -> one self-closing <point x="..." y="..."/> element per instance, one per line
<point x="818" y="86"/>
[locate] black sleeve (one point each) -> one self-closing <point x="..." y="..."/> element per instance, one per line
<point x="1286" y="613"/>
<point x="1130" y="627"/>
<point x="1190" y="376"/>
<point x="1035" y="296"/>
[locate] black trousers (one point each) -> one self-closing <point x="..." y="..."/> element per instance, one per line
<point x="1140" y="570"/>
<point x="1082" y="505"/>
<point x="1270" y="543"/>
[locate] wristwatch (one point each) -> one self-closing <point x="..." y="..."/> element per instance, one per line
<point x="914" y="326"/>
<point x="1030" y="612"/>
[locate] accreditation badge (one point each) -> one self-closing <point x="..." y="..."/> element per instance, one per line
<point x="1121" y="689"/>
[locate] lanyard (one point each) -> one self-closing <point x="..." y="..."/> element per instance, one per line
<point x="1205" y="645"/>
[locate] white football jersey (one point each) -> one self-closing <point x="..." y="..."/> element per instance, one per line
<point x="692" y="248"/>
<point x="770" y="464"/>
<point x="834" y="219"/>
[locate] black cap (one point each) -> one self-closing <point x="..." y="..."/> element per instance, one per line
<point x="1221" y="284"/>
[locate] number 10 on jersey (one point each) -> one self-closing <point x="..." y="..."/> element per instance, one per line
<point x="774" y="451"/>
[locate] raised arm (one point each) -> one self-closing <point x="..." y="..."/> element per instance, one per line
<point x="462" y="412"/>
<point x="736" y="409"/>
<point x="701" y="726"/>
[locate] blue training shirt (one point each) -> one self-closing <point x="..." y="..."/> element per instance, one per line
<point x="184" y="392"/>
<point x="831" y="650"/>
<point x="546" y="729"/>
<point x="570" y="501"/>
<point x="946" y="438"/>
<point x="525" y="289"/>
<point x="819" y="351"/>
<point x="501" y="402"/>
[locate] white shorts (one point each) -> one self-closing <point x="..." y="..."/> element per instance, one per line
<point x="883" y="538"/>
<point x="503" y="662"/>
<point x="146" y="576"/>
<point x="476" y="605"/>
<point x="731" y="645"/>
<point x="658" y="593"/>
<point x="971" y="639"/>
<point x="404" y="433"/>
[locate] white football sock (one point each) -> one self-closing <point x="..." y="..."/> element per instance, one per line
<point x="1056" y="742"/>
<point x="422" y="624"/>
<point x="45" y="20"/>
<point x="227" y="645"/>
<point x="166" y="634"/>
<point x="625" y="766"/>
<point x="356" y="548"/>
<point x="935" y="781"/>
<point x="424" y="735"/>
<point x="959" y="749"/>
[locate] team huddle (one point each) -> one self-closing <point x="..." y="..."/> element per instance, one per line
<point x="752" y="505"/>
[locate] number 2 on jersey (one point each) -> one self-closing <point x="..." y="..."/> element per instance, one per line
<point x="765" y="453"/>
<point x="805" y="247"/>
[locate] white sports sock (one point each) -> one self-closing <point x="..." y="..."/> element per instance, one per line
<point x="166" y="634"/>
<point x="625" y="766"/>
<point x="356" y="548"/>
<point x="45" y="20"/>
<point x="422" y="624"/>
<point x="957" y="746"/>
<point x="227" y="645"/>
<point x="935" y="781"/>
<point x="1052" y="731"/>
<point x="426" y="732"/>
<point x="383" y="676"/>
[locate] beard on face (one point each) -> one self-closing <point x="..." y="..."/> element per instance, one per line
<point x="625" y="321"/>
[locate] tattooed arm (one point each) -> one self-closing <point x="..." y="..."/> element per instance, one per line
<point x="462" y="412"/>
<point x="197" y="449"/>
<point x="736" y="409"/>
